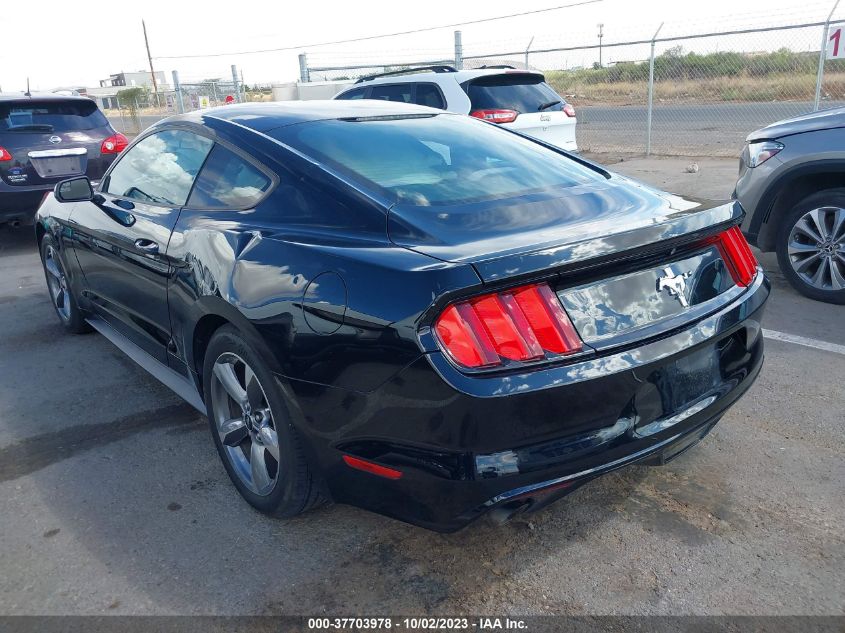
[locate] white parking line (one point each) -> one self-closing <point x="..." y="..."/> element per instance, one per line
<point x="806" y="342"/>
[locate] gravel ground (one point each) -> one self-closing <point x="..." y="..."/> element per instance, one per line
<point x="113" y="501"/>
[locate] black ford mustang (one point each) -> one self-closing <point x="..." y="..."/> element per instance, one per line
<point x="408" y="310"/>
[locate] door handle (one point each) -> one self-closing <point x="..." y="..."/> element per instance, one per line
<point x="148" y="246"/>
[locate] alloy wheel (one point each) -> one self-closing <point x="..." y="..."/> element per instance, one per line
<point x="816" y="248"/>
<point x="57" y="283"/>
<point x="245" y="423"/>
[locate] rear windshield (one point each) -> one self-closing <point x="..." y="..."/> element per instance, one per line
<point x="522" y="92"/>
<point x="50" y="116"/>
<point x="435" y="159"/>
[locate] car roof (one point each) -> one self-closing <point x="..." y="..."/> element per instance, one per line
<point x="458" y="76"/>
<point x="40" y="96"/>
<point x="263" y="117"/>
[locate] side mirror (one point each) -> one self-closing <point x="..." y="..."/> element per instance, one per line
<point x="77" y="189"/>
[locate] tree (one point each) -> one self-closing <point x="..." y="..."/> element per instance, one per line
<point x="132" y="98"/>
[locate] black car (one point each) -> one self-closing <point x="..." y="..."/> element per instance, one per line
<point x="408" y="310"/>
<point x="46" y="138"/>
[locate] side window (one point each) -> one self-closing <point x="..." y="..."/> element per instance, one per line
<point x="357" y="93"/>
<point x="393" y="92"/>
<point x="429" y="95"/>
<point x="228" y="181"/>
<point x="160" y="169"/>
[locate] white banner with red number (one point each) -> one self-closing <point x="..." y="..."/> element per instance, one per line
<point x="835" y="43"/>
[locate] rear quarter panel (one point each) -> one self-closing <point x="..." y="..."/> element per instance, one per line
<point x="332" y="303"/>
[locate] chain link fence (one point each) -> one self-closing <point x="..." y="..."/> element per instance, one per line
<point x="138" y="108"/>
<point x="695" y="89"/>
<point x="658" y="91"/>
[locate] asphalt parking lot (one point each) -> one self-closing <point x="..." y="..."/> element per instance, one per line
<point x="113" y="500"/>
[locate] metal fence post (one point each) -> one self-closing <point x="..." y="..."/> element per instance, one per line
<point x="459" y="51"/>
<point x="822" y="57"/>
<point x="303" y="69"/>
<point x="180" y="105"/>
<point x="235" y="88"/>
<point x="527" y="48"/>
<point x="120" y="110"/>
<point x="651" y="91"/>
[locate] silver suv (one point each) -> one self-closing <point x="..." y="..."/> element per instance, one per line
<point x="792" y="186"/>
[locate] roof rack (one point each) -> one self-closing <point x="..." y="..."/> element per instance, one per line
<point x="486" y="67"/>
<point x="438" y="68"/>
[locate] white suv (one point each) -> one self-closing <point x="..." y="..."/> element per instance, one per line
<point x="517" y="99"/>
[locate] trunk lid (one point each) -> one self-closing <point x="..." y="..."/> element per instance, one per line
<point x="680" y="288"/>
<point x="625" y="261"/>
<point x="521" y="235"/>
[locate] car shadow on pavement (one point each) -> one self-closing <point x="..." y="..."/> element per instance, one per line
<point x="157" y="511"/>
<point x="15" y="240"/>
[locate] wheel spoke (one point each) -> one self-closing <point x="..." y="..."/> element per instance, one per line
<point x="253" y="389"/>
<point x="838" y="232"/>
<point x="52" y="268"/>
<point x="818" y="217"/>
<point x="803" y="226"/>
<point x="271" y="441"/>
<point x="55" y="291"/>
<point x="802" y="265"/>
<point x="233" y="432"/>
<point x="795" y="248"/>
<point x="258" y="467"/>
<point x="225" y="373"/>
<point x="818" y="278"/>
<point x="837" y="275"/>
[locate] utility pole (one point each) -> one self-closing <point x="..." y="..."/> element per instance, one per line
<point x="150" y="58"/>
<point x="601" y="34"/>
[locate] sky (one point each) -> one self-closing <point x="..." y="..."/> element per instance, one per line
<point x="76" y="44"/>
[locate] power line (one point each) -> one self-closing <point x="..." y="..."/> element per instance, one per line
<point x="376" y="37"/>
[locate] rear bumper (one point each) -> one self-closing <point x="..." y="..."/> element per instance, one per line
<point x="467" y="445"/>
<point x="19" y="203"/>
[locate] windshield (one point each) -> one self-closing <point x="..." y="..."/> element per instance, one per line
<point x="513" y="91"/>
<point x="437" y="159"/>
<point x="50" y="116"/>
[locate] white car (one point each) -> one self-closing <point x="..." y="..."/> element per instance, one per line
<point x="516" y="99"/>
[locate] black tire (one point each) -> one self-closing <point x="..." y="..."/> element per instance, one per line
<point x="825" y="290"/>
<point x="296" y="488"/>
<point x="61" y="294"/>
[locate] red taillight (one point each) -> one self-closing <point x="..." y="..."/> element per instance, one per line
<point x="495" y="116"/>
<point x="4" y="154"/>
<point x="569" y="110"/>
<point x="114" y="144"/>
<point x="522" y="324"/>
<point x="371" y="467"/>
<point x="737" y="255"/>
